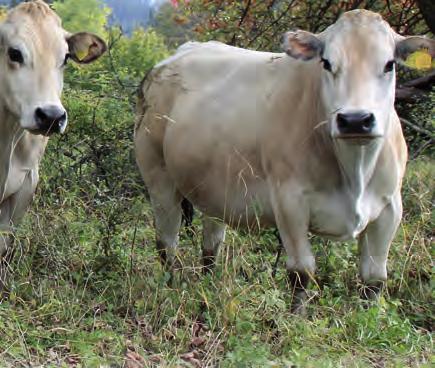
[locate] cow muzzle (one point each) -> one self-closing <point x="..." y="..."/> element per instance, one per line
<point x="356" y="125"/>
<point x="50" y="119"/>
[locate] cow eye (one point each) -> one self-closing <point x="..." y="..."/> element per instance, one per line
<point x="65" y="61"/>
<point x="389" y="67"/>
<point x="326" y="64"/>
<point x="15" y="55"/>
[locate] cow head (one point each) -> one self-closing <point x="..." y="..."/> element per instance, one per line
<point x="358" y="55"/>
<point x="34" y="49"/>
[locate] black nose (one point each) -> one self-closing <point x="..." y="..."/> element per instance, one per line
<point x="358" y="122"/>
<point x="50" y="119"/>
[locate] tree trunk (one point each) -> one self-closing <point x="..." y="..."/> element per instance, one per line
<point x="427" y="9"/>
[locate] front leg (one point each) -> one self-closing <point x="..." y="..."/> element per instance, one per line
<point x="6" y="241"/>
<point x="12" y="211"/>
<point x="292" y="219"/>
<point x="374" y="244"/>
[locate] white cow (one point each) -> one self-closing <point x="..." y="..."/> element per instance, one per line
<point x="34" y="49"/>
<point x="307" y="141"/>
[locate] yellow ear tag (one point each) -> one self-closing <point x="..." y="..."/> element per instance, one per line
<point x="81" y="54"/>
<point x="3" y="14"/>
<point x="420" y="59"/>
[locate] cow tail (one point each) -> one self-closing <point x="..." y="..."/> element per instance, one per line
<point x="188" y="213"/>
<point x="142" y="104"/>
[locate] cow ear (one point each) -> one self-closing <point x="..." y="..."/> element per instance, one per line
<point x="85" y="47"/>
<point x="302" y="45"/>
<point x="406" y="46"/>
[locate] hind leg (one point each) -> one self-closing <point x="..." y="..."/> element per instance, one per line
<point x="165" y="198"/>
<point x="213" y="236"/>
<point x="166" y="203"/>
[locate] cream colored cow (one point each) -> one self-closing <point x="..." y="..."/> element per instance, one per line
<point x="307" y="141"/>
<point x="34" y="49"/>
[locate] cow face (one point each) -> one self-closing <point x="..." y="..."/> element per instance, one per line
<point x="358" y="56"/>
<point x="34" y="49"/>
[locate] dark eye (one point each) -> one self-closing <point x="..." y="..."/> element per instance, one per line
<point x="67" y="56"/>
<point x="326" y="64"/>
<point x="389" y="67"/>
<point x="15" y="55"/>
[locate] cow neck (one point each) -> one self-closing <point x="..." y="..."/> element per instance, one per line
<point x="11" y="133"/>
<point x="302" y="107"/>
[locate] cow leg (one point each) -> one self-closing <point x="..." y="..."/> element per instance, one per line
<point x="374" y="244"/>
<point x="291" y="215"/>
<point x="6" y="239"/>
<point x="164" y="196"/>
<point x="166" y="203"/>
<point x="213" y="235"/>
<point x="6" y="255"/>
<point x="12" y="211"/>
<point x="5" y="228"/>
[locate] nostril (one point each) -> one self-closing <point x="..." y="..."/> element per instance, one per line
<point x="341" y="121"/>
<point x="368" y="121"/>
<point x="40" y="114"/>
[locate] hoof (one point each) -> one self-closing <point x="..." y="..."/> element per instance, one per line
<point x="167" y="259"/>
<point x="208" y="261"/>
<point x="372" y="292"/>
<point x="299" y="304"/>
<point x="161" y="250"/>
<point x="299" y="282"/>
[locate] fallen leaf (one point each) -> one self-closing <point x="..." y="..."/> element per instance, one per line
<point x="197" y="341"/>
<point x="134" y="360"/>
<point x="72" y="360"/>
<point x="155" y="359"/>
<point x="187" y="356"/>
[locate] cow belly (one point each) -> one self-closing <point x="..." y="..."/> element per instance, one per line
<point x="240" y="203"/>
<point x="219" y="184"/>
<point x="338" y="217"/>
<point x="237" y="208"/>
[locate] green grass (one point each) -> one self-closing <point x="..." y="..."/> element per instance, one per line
<point x="88" y="290"/>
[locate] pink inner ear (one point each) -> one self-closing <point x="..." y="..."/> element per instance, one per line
<point x="302" y="49"/>
<point x="299" y="49"/>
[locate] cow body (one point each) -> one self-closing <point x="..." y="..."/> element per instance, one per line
<point x="251" y="139"/>
<point x="34" y="49"/>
